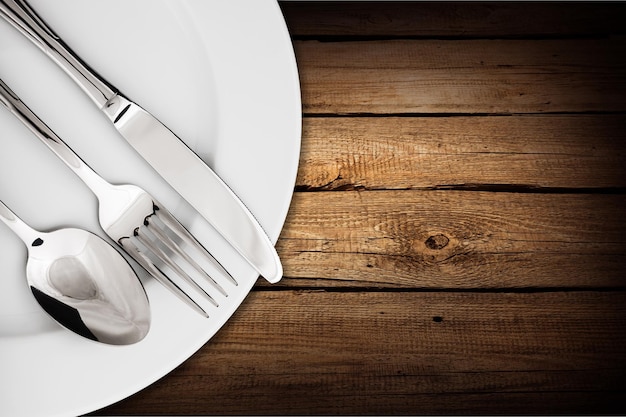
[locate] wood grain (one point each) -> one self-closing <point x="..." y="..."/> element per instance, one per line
<point x="554" y="151"/>
<point x="453" y="19"/>
<point x="469" y="76"/>
<point x="454" y="239"/>
<point x="417" y="353"/>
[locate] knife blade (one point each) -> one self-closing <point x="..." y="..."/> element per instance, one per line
<point x="171" y="158"/>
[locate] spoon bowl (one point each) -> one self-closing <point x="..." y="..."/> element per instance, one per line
<point x="83" y="283"/>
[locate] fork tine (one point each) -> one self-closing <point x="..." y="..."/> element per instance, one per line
<point x="158" y="252"/>
<point x="133" y="251"/>
<point x="170" y="221"/>
<point x="173" y="246"/>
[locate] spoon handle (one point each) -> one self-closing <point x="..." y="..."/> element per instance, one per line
<point x="47" y="136"/>
<point x="28" y="235"/>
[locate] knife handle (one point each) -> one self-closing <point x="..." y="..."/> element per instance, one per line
<point x="22" y="17"/>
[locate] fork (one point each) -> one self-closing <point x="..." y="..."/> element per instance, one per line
<point x="131" y="217"/>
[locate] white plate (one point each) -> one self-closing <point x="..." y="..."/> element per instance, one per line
<point x="222" y="75"/>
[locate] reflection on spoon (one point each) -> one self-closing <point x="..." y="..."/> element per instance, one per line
<point x="83" y="283"/>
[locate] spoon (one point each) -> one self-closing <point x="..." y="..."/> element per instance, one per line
<point x="83" y="283"/>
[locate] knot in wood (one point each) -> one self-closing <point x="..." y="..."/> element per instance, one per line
<point x="437" y="242"/>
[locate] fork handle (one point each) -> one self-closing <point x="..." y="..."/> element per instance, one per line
<point x="22" y="17"/>
<point x="13" y="103"/>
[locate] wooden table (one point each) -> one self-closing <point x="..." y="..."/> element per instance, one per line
<point x="456" y="242"/>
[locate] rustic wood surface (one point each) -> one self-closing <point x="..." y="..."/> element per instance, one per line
<point x="456" y="242"/>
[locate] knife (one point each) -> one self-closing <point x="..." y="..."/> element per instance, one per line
<point x="160" y="147"/>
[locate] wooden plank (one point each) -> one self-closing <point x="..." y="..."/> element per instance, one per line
<point x="416" y="353"/>
<point x="454" y="239"/>
<point x="196" y="399"/>
<point x="452" y="19"/>
<point x="471" y="76"/>
<point x="563" y="151"/>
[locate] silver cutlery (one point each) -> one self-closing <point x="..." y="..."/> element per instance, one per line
<point x="83" y="283"/>
<point x="130" y="216"/>
<point x="168" y="155"/>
